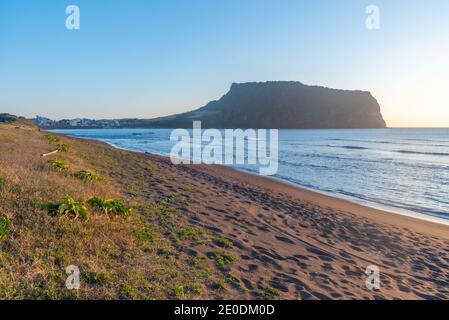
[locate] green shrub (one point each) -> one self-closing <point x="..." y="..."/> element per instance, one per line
<point x="223" y="259"/>
<point x="5" y="224"/>
<point x="116" y="207"/>
<point x="73" y="209"/>
<point x="222" y="242"/>
<point x="96" y="202"/>
<point x="110" y="206"/>
<point x="58" y="165"/>
<point x="63" y="147"/>
<point x="87" y="175"/>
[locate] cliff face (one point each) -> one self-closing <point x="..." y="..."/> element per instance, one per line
<point x="283" y="105"/>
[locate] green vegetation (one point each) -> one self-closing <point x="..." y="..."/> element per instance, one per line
<point x="87" y="175"/>
<point x="269" y="293"/>
<point x="110" y="206"/>
<point x="164" y="210"/>
<point x="96" y="202"/>
<point x="63" y="147"/>
<point x="178" y="199"/>
<point x="223" y="259"/>
<point x="222" y="242"/>
<point x="5" y="224"/>
<point x="197" y="261"/>
<point x="219" y="284"/>
<point x="52" y="139"/>
<point x="190" y="234"/>
<point x="73" y="209"/>
<point x="232" y="279"/>
<point x="191" y="288"/>
<point x="167" y="251"/>
<point x="58" y="165"/>
<point x="146" y="234"/>
<point x="96" y="277"/>
<point x="116" y="207"/>
<point x="178" y="292"/>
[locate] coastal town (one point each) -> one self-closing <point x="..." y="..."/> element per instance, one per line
<point x="47" y="123"/>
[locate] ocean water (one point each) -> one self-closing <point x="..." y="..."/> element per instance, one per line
<point x="401" y="170"/>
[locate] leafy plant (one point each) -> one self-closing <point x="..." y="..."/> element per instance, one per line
<point x="73" y="208"/>
<point x="87" y="175"/>
<point x="116" y="207"/>
<point x="110" y="206"/>
<point x="96" y="202"/>
<point x="63" y="147"/>
<point x="4" y="226"/>
<point x="58" y="165"/>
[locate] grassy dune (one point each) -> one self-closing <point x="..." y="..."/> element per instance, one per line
<point x="140" y="255"/>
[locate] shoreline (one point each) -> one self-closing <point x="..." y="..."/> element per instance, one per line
<point x="369" y="206"/>
<point x="329" y="201"/>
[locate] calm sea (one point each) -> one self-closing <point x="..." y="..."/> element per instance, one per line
<point x="401" y="170"/>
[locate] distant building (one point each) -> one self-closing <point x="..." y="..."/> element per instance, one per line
<point x="76" y="123"/>
<point x="43" y="122"/>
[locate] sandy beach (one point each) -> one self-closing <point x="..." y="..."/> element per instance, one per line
<point x="312" y="246"/>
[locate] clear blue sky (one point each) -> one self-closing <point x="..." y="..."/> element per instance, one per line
<point x="149" y="58"/>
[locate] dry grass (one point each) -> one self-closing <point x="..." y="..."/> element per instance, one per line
<point x="131" y="257"/>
